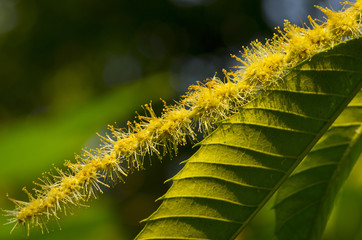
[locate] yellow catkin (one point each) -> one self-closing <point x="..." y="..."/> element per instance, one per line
<point x="201" y="107"/>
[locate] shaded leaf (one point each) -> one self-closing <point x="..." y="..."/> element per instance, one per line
<point x="308" y="194"/>
<point x="46" y="140"/>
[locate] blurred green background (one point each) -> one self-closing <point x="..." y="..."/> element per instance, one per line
<point x="69" y="68"/>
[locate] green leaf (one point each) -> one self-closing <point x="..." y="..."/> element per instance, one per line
<point x="34" y="143"/>
<point x="308" y="195"/>
<point x="244" y="161"/>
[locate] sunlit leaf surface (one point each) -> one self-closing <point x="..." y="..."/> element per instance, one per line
<point x="243" y="162"/>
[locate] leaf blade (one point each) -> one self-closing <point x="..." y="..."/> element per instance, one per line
<point x="251" y="141"/>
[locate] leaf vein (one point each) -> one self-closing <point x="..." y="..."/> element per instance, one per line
<point x="222" y="179"/>
<point x="286" y="112"/>
<point x="254" y="150"/>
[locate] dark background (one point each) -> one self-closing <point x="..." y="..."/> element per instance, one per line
<point x="69" y="68"/>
